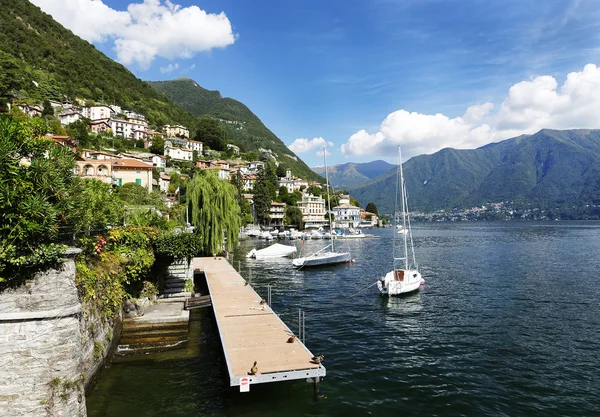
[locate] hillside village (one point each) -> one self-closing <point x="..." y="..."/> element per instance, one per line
<point x="154" y="170"/>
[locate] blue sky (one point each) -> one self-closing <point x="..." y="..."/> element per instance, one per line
<point x="370" y="75"/>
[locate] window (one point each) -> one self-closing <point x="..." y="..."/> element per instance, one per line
<point x="120" y="181"/>
<point x="138" y="181"/>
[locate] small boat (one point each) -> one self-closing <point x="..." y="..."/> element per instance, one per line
<point x="323" y="257"/>
<point x="404" y="277"/>
<point x="276" y="250"/>
<point x="327" y="255"/>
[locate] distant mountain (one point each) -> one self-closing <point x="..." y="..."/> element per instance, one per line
<point x="352" y="174"/>
<point x="243" y="127"/>
<point x="40" y="59"/>
<point x="547" y="168"/>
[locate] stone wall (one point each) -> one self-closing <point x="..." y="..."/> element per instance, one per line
<point x="49" y="349"/>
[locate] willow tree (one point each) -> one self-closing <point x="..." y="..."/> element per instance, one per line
<point x="214" y="211"/>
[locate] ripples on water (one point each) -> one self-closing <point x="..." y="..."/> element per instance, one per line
<point x="507" y="324"/>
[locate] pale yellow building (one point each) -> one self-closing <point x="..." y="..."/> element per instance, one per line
<point x="313" y="211"/>
<point x="172" y="131"/>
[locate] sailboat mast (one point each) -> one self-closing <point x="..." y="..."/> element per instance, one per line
<point x="404" y="209"/>
<point x="328" y="199"/>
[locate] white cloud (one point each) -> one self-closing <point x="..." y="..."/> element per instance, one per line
<point x="146" y="30"/>
<point x="529" y="106"/>
<point x="169" y="68"/>
<point x="302" y="145"/>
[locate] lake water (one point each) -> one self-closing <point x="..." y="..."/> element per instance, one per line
<point x="508" y="323"/>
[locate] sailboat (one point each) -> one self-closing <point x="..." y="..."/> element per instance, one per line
<point x="405" y="276"/>
<point x="327" y="255"/>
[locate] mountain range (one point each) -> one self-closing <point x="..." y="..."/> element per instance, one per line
<point x="40" y="59"/>
<point x="353" y="174"/>
<point x="547" y="168"/>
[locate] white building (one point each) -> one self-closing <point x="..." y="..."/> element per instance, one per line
<point x="195" y="145"/>
<point x="163" y="183"/>
<point x="235" y="149"/>
<point x="313" y="211"/>
<point x="180" y="154"/>
<point x="123" y="128"/>
<point x="159" y="161"/>
<point x="98" y="112"/>
<point x="276" y="214"/>
<point x="69" y="117"/>
<point x="248" y="181"/>
<point x="255" y="165"/>
<point x="292" y="183"/>
<point x="346" y="215"/>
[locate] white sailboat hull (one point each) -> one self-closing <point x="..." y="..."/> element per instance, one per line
<point x="274" y="251"/>
<point x="400" y="281"/>
<point x="323" y="258"/>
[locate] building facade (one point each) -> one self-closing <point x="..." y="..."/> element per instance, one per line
<point x="313" y="211"/>
<point x="346" y="215"/>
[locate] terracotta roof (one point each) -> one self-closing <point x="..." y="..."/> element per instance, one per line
<point x="128" y="163"/>
<point x="274" y="203"/>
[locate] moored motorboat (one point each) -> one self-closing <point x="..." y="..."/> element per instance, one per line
<point x="276" y="250"/>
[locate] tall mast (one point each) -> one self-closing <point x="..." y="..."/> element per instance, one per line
<point x="328" y="199"/>
<point x="404" y="209"/>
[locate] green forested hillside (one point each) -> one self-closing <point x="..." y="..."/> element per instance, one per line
<point x="244" y="128"/>
<point x="35" y="49"/>
<point x="547" y="168"/>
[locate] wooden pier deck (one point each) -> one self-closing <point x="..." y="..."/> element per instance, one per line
<point x="251" y="331"/>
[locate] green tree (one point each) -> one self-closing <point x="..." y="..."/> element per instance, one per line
<point x="11" y="79"/>
<point x="78" y="131"/>
<point x="96" y="207"/>
<point x="316" y="191"/>
<point x="158" y="146"/>
<point x="48" y="110"/>
<point x="38" y="190"/>
<point x="372" y="208"/>
<point x="55" y="127"/>
<point x="282" y="193"/>
<point x="262" y="197"/>
<point x="175" y="182"/>
<point x="293" y="216"/>
<point x="214" y="211"/>
<point x="281" y="170"/>
<point x="210" y="132"/>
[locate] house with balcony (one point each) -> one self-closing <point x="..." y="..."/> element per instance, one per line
<point x="180" y="154"/>
<point x="99" y="126"/>
<point x="172" y="131"/>
<point x="254" y="166"/>
<point x="195" y="145"/>
<point x="122" y="127"/>
<point x="346" y="215"/>
<point x="116" y="171"/>
<point x="276" y="214"/>
<point x="313" y="211"/>
<point x="68" y="117"/>
<point x="98" y="112"/>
